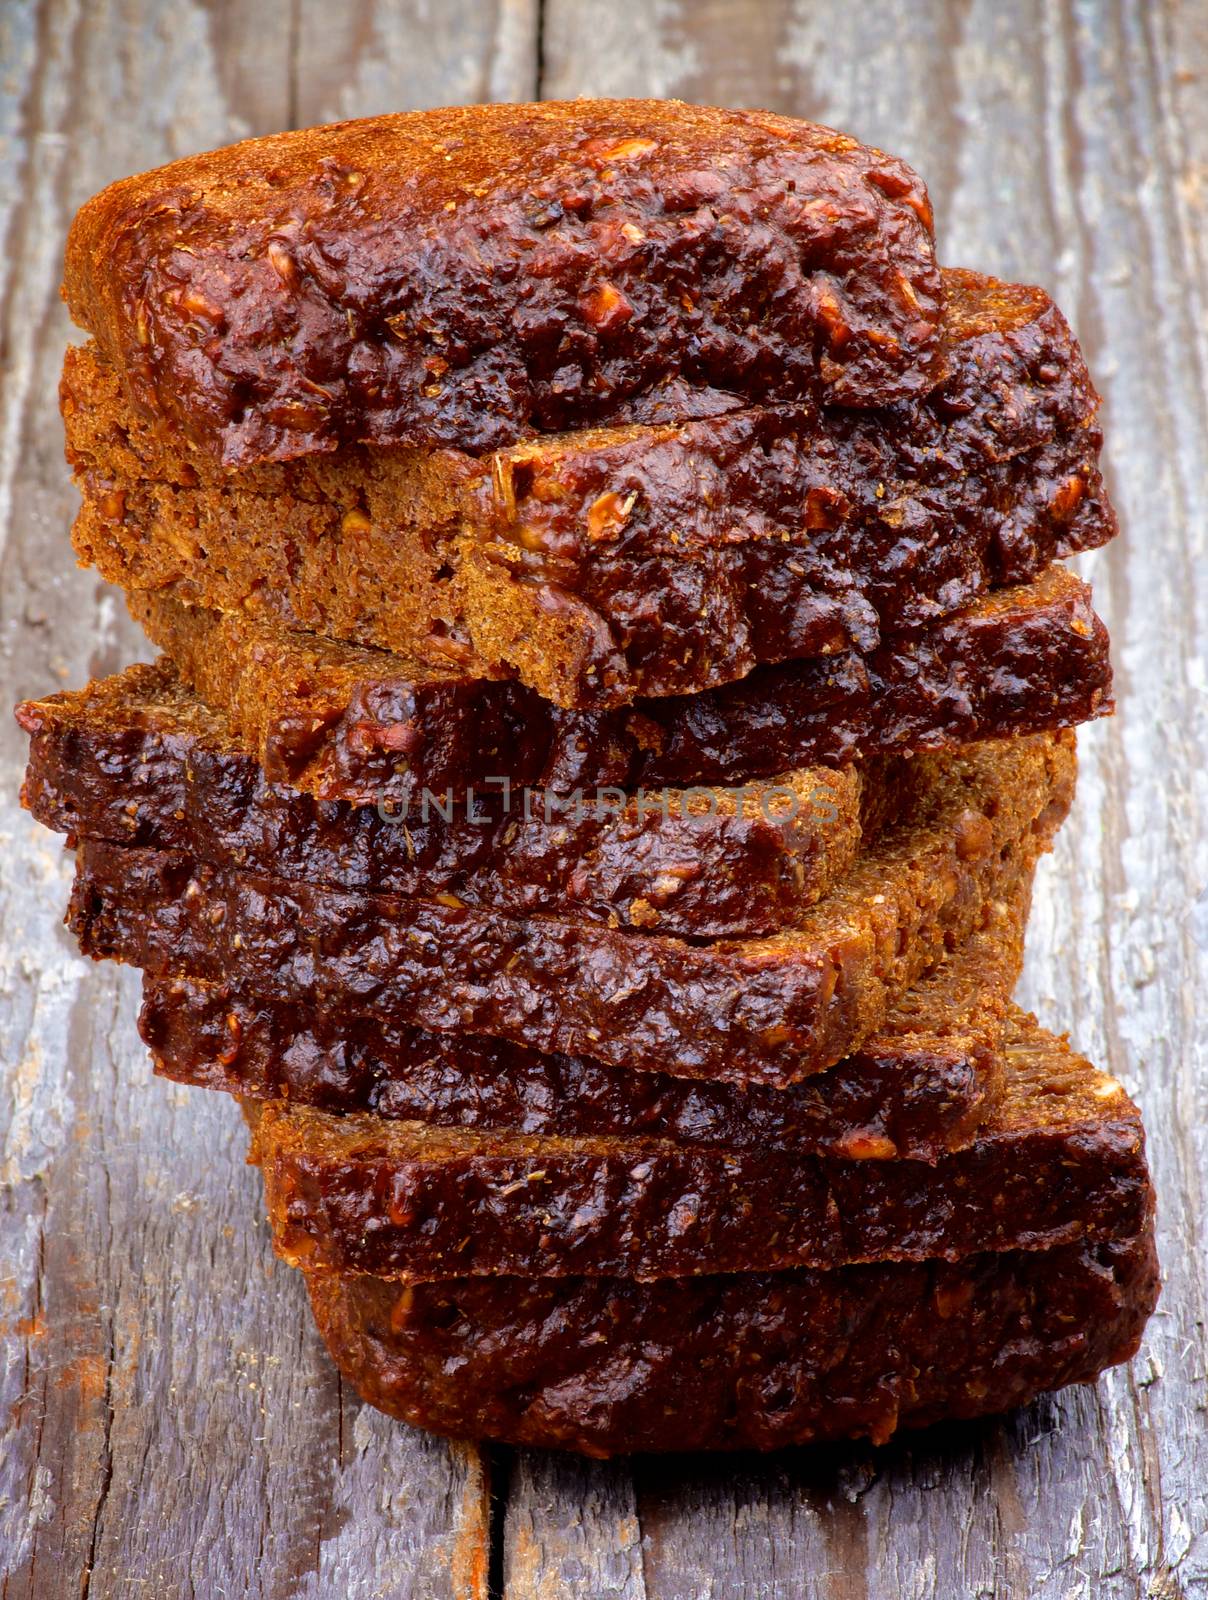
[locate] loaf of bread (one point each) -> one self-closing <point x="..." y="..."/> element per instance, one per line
<point x="612" y="563"/>
<point x="770" y="1010"/>
<point x="918" y="1088"/>
<point x="464" y="277"/>
<point x="618" y="679"/>
<point x="345" y="723"/>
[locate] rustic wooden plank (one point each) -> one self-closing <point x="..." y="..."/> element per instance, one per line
<point x="396" y="55"/>
<point x="1126" y="945"/>
<point x="571" y="1528"/>
<point x="1066" y="145"/>
<point x="172" y="1425"/>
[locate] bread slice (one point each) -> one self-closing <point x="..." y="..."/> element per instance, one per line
<point x="344" y="723"/>
<point x="1059" y="1159"/>
<point x="770" y="1010"/>
<point x="138" y="759"/>
<point x="919" y="1087"/>
<point x="611" y="563"/>
<point x="466" y="276"/>
<point x="606" y="1365"/>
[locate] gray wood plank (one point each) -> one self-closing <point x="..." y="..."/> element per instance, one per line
<point x="172" y="1426"/>
<point x="397" y="55"/>
<point x="1066" y="145"/>
<point x="571" y="1528"/>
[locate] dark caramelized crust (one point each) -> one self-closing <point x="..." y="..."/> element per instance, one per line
<point x="466" y="276"/>
<point x="612" y="563"/>
<point x="138" y="759"/>
<point x="345" y="723"/>
<point x="1061" y="1158"/>
<point x="606" y="1366"/>
<point x="771" y="1010"/>
<point x="919" y="1087"/>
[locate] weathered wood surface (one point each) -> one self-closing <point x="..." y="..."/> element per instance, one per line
<point x="171" y="1427"/>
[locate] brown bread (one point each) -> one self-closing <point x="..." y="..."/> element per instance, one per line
<point x="606" y="1366"/>
<point x="612" y="563"/>
<point x="344" y="723"/>
<point x="920" y="1087"/>
<point x="138" y="759"/>
<point x="1060" y="1158"/>
<point x="465" y="276"/>
<point x="771" y="1010"/>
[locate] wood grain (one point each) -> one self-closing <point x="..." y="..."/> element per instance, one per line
<point x="172" y="1427"/>
<point x="1065" y="145"/>
<point x="359" y="60"/>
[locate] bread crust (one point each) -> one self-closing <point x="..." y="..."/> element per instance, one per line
<point x="919" y="1088"/>
<point x="344" y="723"/>
<point x="771" y="1010"/>
<point x="606" y="1366"/>
<point x="613" y="563"/>
<point x="469" y="275"/>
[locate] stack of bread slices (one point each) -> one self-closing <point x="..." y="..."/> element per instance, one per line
<point x="616" y="685"/>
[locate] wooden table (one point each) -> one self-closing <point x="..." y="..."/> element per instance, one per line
<point x="172" y="1425"/>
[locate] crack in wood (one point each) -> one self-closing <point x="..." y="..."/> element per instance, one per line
<point x="106" y="1478"/>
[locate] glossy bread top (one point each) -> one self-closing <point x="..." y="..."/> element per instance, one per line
<point x="468" y="276"/>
